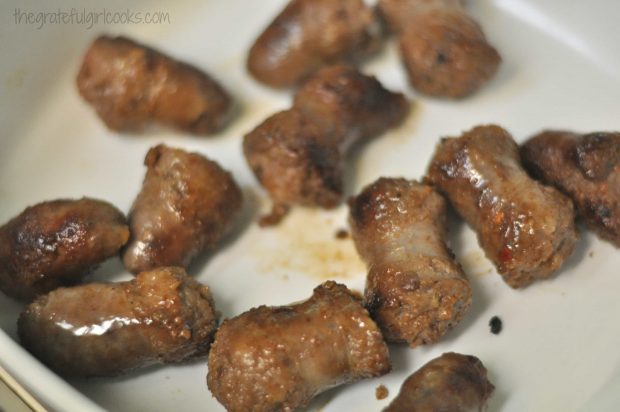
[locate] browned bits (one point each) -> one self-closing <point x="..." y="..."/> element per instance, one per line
<point x="132" y="86"/>
<point x="279" y="358"/>
<point x="187" y="204"/>
<point x="525" y="228"/>
<point x="56" y="243"/>
<point x="381" y="392"/>
<point x="297" y="154"/>
<point x="415" y="291"/>
<point x="310" y="34"/>
<point x="106" y="329"/>
<point x="444" y="50"/>
<point x="587" y="169"/>
<point x="451" y="382"/>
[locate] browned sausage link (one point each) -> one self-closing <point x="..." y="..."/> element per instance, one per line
<point x="310" y="34"/>
<point x="451" y="382"/>
<point x="132" y="86"/>
<point x="278" y="358"/>
<point x="525" y="228"/>
<point x="297" y="154"/>
<point x="187" y="203"/>
<point x="415" y="290"/>
<point x="56" y="243"/>
<point x="106" y="329"/>
<point x="586" y="168"/>
<point x="445" y="52"/>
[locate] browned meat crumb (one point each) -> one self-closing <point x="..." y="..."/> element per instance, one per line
<point x="451" y="382"/>
<point x="132" y="86"/>
<point x="415" y="290"/>
<point x="525" y="228"/>
<point x="381" y="392"/>
<point x="107" y="329"/>
<point x="342" y="234"/>
<point x="57" y="243"/>
<point x="587" y="169"/>
<point x="186" y="205"/>
<point x="310" y="34"/>
<point x="279" y="358"/>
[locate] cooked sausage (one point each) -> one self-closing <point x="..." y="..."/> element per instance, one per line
<point x="187" y="204"/>
<point x="310" y="34"/>
<point x="278" y="358"/>
<point x="132" y="86"/>
<point x="451" y="382"/>
<point x="415" y="290"/>
<point x="587" y="169"/>
<point x="525" y="228"/>
<point x="57" y="243"/>
<point x="445" y="52"/>
<point x="297" y="154"/>
<point x="106" y="329"/>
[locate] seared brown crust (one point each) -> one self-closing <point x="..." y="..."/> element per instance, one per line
<point x="446" y="54"/>
<point x="297" y="154"/>
<point x="399" y="13"/>
<point x="187" y="204"/>
<point x="278" y="358"/>
<point x="525" y="228"/>
<point x="586" y="168"/>
<point x="310" y="34"/>
<point x="106" y="329"/>
<point x="451" y="382"/>
<point x="56" y="243"/>
<point x="132" y="86"/>
<point x="415" y="290"/>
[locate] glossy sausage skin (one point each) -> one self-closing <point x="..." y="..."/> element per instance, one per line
<point x="451" y="382"/>
<point x="444" y="50"/>
<point x="279" y="358"/>
<point x="297" y="154"/>
<point x="587" y="169"/>
<point x="310" y="34"/>
<point x="415" y="290"/>
<point x="187" y="204"/>
<point x="526" y="229"/>
<point x="56" y="243"/>
<point x="132" y="86"/>
<point x="107" y="329"/>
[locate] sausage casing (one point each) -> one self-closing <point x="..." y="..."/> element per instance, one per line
<point x="56" y="243"/>
<point x="132" y="86"/>
<point x="106" y="329"/>
<point x="526" y="229"/>
<point x="310" y="34"/>
<point x="187" y="203"/>
<point x="415" y="290"/>
<point x="586" y="168"/>
<point x="451" y="382"/>
<point x="278" y="358"/>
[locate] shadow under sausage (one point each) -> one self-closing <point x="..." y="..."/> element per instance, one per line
<point x="248" y="215"/>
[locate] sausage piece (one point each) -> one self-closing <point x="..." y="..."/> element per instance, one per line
<point x="445" y="52"/>
<point x="584" y="167"/>
<point x="279" y="358"/>
<point x="132" y="86"/>
<point x="56" y="243"/>
<point x="186" y="205"/>
<point x="451" y="382"/>
<point x="415" y="290"/>
<point x="310" y="34"/>
<point x="106" y="329"/>
<point x="526" y="229"/>
<point x="297" y="154"/>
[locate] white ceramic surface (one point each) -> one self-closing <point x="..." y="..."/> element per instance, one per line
<point x="559" y="347"/>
